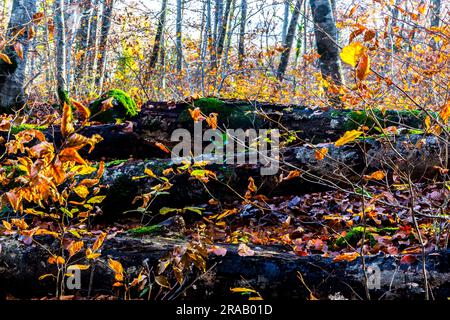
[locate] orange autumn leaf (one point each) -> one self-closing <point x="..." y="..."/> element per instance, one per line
<point x="363" y="67"/>
<point x="196" y="114"/>
<point x="292" y="174"/>
<point x="75" y="247"/>
<point x="116" y="266"/>
<point x="83" y="110"/>
<point x="377" y="175"/>
<point x="445" y="112"/>
<point x="18" y="48"/>
<point x="162" y="147"/>
<point x="212" y="120"/>
<point x="71" y="154"/>
<point x="321" y="153"/>
<point x="347" y="256"/>
<point x="99" y="241"/>
<point x="251" y="185"/>
<point x="66" y="120"/>
<point x="5" y="58"/>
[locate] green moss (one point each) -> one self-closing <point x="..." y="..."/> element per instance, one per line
<point x="114" y="163"/>
<point x="356" y="233"/>
<point x="26" y="126"/>
<point x="124" y="107"/>
<point x="233" y="115"/>
<point x="413" y="118"/>
<point x="149" y="230"/>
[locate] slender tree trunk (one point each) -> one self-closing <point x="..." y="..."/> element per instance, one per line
<point x="229" y="36"/>
<point x="241" y="48"/>
<point x="60" y="41"/>
<point x="83" y="40"/>
<point x="158" y="36"/>
<point x="223" y="30"/>
<point x="179" y="38"/>
<point x="289" y="40"/>
<point x="435" y="18"/>
<point x="285" y="22"/>
<point x="325" y="32"/>
<point x="12" y="76"/>
<point x="334" y="9"/>
<point x="108" y="6"/>
<point x="72" y="25"/>
<point x="92" y="41"/>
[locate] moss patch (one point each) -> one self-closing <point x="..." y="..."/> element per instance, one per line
<point x="413" y="118"/>
<point x="355" y="234"/>
<point x="234" y="116"/>
<point x="124" y="107"/>
<point x="149" y="230"/>
<point x="26" y="126"/>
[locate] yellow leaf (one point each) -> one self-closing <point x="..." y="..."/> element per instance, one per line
<point x="45" y="276"/>
<point x="84" y="111"/>
<point x="5" y="58"/>
<point x="347" y="256"/>
<point x="251" y="185"/>
<point x="377" y="175"/>
<point x="116" y="266"/>
<point x="149" y="172"/>
<point x="71" y="154"/>
<point x="352" y="53"/>
<point x="445" y="112"/>
<point x="349" y="136"/>
<point x="66" y="120"/>
<point x="80" y="266"/>
<point x="99" y="241"/>
<point x="242" y="290"/>
<point x="75" y="247"/>
<point x="81" y="191"/>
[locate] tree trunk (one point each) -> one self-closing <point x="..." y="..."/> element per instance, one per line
<point x="284" y="60"/>
<point x="285" y="22"/>
<point x="223" y="30"/>
<point x="158" y="36"/>
<point x="82" y="42"/>
<point x="12" y="76"/>
<point x="60" y="45"/>
<point x="178" y="37"/>
<point x="326" y="33"/>
<point x="92" y="42"/>
<point x="435" y="18"/>
<point x="108" y="6"/>
<point x="241" y="48"/>
<point x="21" y="266"/>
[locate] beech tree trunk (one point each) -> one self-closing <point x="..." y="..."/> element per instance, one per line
<point x="326" y="35"/>
<point x="284" y="60"/>
<point x="159" y="35"/>
<point x="178" y="37"/>
<point x="108" y="6"/>
<point x="12" y="76"/>
<point x="60" y="51"/>
<point x="241" y="46"/>
<point x="92" y="41"/>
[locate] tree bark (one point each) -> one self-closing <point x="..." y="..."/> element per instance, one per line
<point x="284" y="60"/>
<point x="179" y="47"/>
<point x="12" y="76"/>
<point x="326" y="33"/>
<point x="241" y="46"/>
<point x="272" y="271"/>
<point x="108" y="6"/>
<point x="285" y="22"/>
<point x="60" y="45"/>
<point x="435" y="18"/>
<point x="223" y="30"/>
<point x="83" y="41"/>
<point x="159" y="35"/>
<point x="92" y="42"/>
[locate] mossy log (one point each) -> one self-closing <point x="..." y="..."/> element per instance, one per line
<point x="345" y="166"/>
<point x="157" y="121"/>
<point x="272" y="271"/>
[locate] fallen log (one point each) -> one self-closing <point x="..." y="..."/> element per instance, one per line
<point x="156" y="122"/>
<point x="272" y="271"/>
<point x="343" y="167"/>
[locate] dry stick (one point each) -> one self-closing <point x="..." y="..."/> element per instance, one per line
<point x="416" y="226"/>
